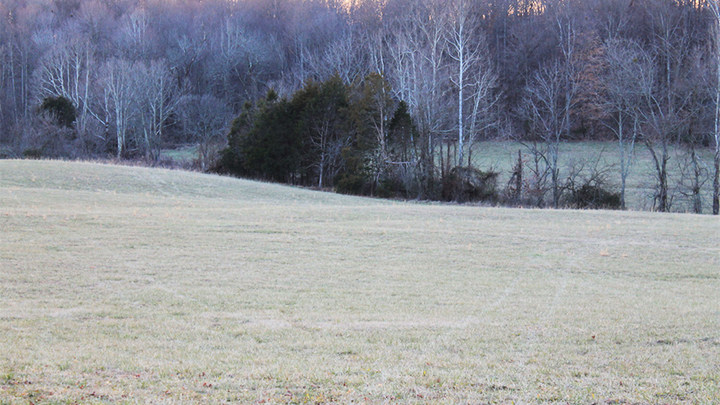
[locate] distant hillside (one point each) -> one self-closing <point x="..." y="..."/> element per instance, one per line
<point x="82" y="176"/>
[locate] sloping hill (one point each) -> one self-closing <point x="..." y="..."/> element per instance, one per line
<point x="126" y="284"/>
<point x="79" y="176"/>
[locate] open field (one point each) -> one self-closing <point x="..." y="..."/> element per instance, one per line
<point x="134" y="285"/>
<point x="604" y="155"/>
<point x="502" y="156"/>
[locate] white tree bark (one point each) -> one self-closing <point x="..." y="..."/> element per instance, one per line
<point x="120" y="94"/>
<point x="472" y="75"/>
<point x="67" y="71"/>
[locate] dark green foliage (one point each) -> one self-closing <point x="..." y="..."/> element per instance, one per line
<point x="354" y="179"/>
<point x="391" y="187"/>
<point x="353" y="184"/>
<point x="297" y="141"/>
<point x="231" y="157"/>
<point x="263" y="142"/>
<point x="32" y="153"/>
<point x="322" y="120"/>
<point x="273" y="149"/>
<point x="62" y="110"/>
<point x="466" y="184"/>
<point x="356" y="139"/>
<point x="6" y="153"/>
<point x="402" y="133"/>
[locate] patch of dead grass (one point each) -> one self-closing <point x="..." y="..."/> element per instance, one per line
<point x="126" y="285"/>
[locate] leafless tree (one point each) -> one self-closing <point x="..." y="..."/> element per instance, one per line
<point x="668" y="98"/>
<point x="545" y="110"/>
<point x="135" y="34"/>
<point x="629" y="71"/>
<point x="205" y="120"/>
<point x="464" y="48"/>
<point x="342" y="57"/>
<point x="157" y="98"/>
<point x="119" y="95"/>
<point x="714" y="6"/>
<point x="244" y="60"/>
<point x="67" y="70"/>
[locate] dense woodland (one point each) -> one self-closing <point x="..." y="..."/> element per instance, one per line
<point x="379" y="97"/>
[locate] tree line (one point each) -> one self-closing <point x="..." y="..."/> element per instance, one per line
<point x="382" y="97"/>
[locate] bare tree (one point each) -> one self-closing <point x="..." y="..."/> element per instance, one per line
<point x="157" y="98"/>
<point x="614" y="19"/>
<point x="245" y="60"/>
<point x="629" y="71"/>
<point x="464" y="48"/>
<point x="425" y="46"/>
<point x="3" y="73"/>
<point x="118" y="99"/>
<point x="714" y="6"/>
<point x="135" y="35"/>
<point x="205" y="120"/>
<point x="67" y="71"/>
<point x="669" y="97"/>
<point x="544" y="108"/>
<point x="484" y="99"/>
<point x="342" y="57"/>
<point x="19" y="57"/>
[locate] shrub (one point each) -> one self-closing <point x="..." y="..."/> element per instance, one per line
<point x="589" y="190"/>
<point x="353" y="184"/>
<point x="6" y="153"/>
<point x="61" y="109"/>
<point x="465" y="184"/>
<point x="594" y="196"/>
<point x="32" y="153"/>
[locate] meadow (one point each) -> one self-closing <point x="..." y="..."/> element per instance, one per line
<point x="134" y="285"/>
<point x="604" y="156"/>
<point x="501" y="157"/>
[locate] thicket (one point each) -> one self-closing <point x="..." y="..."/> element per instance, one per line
<point x="354" y="138"/>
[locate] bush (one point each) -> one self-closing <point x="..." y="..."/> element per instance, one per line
<point x="6" y="153"/>
<point x="589" y="191"/>
<point x="593" y="196"/>
<point x="32" y="153"/>
<point x="353" y="184"/>
<point x="390" y="187"/>
<point x="61" y="109"/>
<point x="466" y="184"/>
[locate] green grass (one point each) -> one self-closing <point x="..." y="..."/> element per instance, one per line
<point x="641" y="182"/>
<point x="184" y="156"/>
<point x="135" y="285"/>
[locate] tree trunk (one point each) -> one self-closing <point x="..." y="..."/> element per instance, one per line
<point x="697" y="172"/>
<point x="461" y="96"/>
<point x="623" y="172"/>
<point x="716" y="181"/>
<point x="519" y="177"/>
<point x="661" y="197"/>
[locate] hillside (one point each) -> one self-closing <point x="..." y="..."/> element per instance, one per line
<point x="129" y="284"/>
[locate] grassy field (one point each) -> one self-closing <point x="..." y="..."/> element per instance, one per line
<point x="502" y="156"/>
<point x="134" y="285"/>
